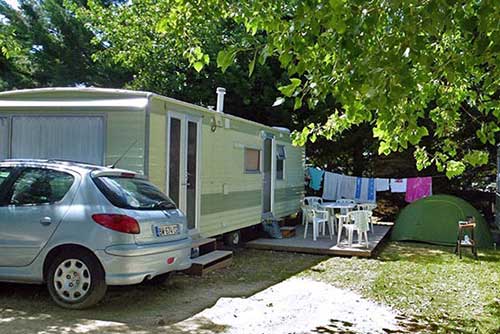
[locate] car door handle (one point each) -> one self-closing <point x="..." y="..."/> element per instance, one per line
<point x="46" y="221"/>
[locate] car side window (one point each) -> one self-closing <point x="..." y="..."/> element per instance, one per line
<point x="4" y="174"/>
<point x="39" y="186"/>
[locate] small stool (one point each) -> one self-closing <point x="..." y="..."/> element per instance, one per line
<point x="464" y="226"/>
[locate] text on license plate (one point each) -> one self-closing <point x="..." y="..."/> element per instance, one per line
<point x="164" y="230"/>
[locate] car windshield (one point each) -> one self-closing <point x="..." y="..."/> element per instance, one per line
<point x="133" y="193"/>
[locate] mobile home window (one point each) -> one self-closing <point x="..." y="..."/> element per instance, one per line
<point x="252" y="160"/>
<point x="280" y="162"/>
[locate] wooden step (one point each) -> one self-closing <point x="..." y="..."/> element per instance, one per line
<point x="288" y="231"/>
<point x="204" y="245"/>
<point x="202" y="242"/>
<point x="205" y="263"/>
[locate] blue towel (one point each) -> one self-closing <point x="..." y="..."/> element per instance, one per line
<point x="359" y="181"/>
<point x="316" y="176"/>
<point x="365" y="190"/>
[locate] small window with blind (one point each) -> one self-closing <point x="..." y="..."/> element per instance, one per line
<point x="252" y="160"/>
<point x="280" y="162"/>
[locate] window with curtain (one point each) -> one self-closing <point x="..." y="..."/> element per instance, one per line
<point x="252" y="160"/>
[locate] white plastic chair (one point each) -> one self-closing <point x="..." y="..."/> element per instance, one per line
<point x="318" y="219"/>
<point x="360" y="222"/>
<point x="368" y="207"/>
<point x="342" y="219"/>
<point x="312" y="200"/>
<point x="309" y="202"/>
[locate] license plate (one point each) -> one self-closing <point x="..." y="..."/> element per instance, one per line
<point x="165" y="230"/>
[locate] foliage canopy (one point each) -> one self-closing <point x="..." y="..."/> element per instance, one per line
<point x="412" y="69"/>
<point x="417" y="75"/>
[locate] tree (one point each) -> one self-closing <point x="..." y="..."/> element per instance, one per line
<point x="415" y="71"/>
<point x="167" y="61"/>
<point x="14" y="66"/>
<point x="52" y="48"/>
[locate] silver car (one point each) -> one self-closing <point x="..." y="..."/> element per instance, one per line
<point x="79" y="228"/>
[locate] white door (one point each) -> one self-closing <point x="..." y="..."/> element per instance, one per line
<point x="78" y="138"/>
<point x="183" y="165"/>
<point x="4" y="138"/>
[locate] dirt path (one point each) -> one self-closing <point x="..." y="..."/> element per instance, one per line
<point x="144" y="309"/>
<point x="258" y="293"/>
<point x="297" y="305"/>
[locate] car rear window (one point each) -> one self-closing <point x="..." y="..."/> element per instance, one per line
<point x="133" y="193"/>
<point x="4" y="174"/>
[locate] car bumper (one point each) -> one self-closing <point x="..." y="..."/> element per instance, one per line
<point x="132" y="264"/>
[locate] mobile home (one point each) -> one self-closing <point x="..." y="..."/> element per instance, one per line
<point x="224" y="172"/>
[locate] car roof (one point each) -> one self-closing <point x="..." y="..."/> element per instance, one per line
<point x="76" y="166"/>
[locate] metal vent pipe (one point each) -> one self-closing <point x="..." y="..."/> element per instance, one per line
<point x="220" y="99"/>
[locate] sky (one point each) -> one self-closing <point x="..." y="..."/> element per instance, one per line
<point x="13" y="3"/>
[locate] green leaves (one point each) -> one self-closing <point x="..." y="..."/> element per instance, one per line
<point x="225" y="58"/>
<point x="197" y="58"/>
<point x="299" y="138"/>
<point x="420" y="74"/>
<point x="476" y="158"/>
<point x="454" y="168"/>
<point x="422" y="158"/>
<point x="487" y="132"/>
<point x="290" y="89"/>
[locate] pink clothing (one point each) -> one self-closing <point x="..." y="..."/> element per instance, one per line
<point x="417" y="188"/>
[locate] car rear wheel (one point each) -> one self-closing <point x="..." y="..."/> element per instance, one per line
<point x="76" y="281"/>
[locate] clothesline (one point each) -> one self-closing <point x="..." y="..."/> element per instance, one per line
<point x="337" y="186"/>
<point x="392" y="177"/>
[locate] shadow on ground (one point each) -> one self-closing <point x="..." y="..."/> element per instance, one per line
<point x="144" y="309"/>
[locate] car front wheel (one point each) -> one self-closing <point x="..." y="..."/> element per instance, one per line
<point x="76" y="281"/>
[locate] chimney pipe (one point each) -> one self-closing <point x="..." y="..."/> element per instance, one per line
<point x="220" y="99"/>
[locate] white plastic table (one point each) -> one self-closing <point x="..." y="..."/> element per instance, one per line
<point x="331" y="206"/>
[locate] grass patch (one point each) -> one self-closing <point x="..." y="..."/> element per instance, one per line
<point x="429" y="284"/>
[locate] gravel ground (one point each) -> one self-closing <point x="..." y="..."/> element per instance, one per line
<point x="258" y="293"/>
<point x="297" y="305"/>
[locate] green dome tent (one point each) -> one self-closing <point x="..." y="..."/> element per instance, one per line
<point x="435" y="220"/>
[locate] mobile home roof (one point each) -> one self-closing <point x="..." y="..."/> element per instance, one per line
<point x="110" y="98"/>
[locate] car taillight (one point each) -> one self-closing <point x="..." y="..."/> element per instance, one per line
<point x="119" y="223"/>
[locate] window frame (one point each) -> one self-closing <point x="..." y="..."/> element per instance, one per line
<point x="8" y="184"/>
<point x="116" y="201"/>
<point x="6" y="198"/>
<point x="278" y="158"/>
<point x="245" y="160"/>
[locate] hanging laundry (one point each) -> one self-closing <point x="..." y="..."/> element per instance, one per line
<point x="381" y="184"/>
<point x="330" y="185"/>
<point x="398" y="185"/>
<point x="316" y="175"/>
<point x="417" y="188"/>
<point x="346" y="187"/>
<point x="365" y="190"/>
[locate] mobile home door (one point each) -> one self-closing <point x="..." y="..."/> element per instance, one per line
<point x="268" y="175"/>
<point x="183" y="165"/>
